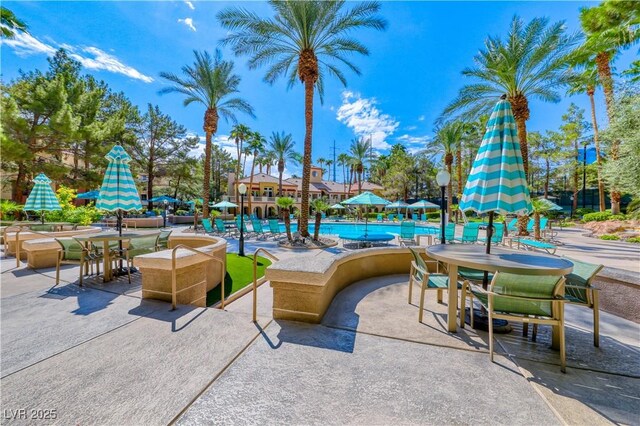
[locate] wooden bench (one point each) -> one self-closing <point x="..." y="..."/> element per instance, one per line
<point x="195" y="274"/>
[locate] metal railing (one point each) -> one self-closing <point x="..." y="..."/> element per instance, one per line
<point x="174" y="293"/>
<point x="255" y="279"/>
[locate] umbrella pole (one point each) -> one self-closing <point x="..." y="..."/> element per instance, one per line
<point x="42" y="216"/>
<point x="485" y="279"/>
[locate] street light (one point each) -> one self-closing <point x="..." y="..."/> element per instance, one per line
<point x="584" y="175"/>
<point x="442" y="178"/>
<point x="242" y="189"/>
<point x="164" y="217"/>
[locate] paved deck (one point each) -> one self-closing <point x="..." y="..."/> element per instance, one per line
<point x="100" y="354"/>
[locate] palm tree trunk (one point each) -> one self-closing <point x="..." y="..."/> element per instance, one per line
<point x="449" y="191"/>
<point x="235" y="183"/>
<point x="350" y="180"/>
<point x="360" y="172"/>
<point x="536" y="221"/>
<point x="210" y="128"/>
<point x="575" y="179"/>
<point x="303" y="228"/>
<point x="316" y="231"/>
<point x="546" y="181"/>
<point x="253" y="166"/>
<point x="603" y="63"/>
<point x="280" y="171"/>
<point x="596" y="139"/>
<point x="287" y="223"/>
<point x="459" y="169"/>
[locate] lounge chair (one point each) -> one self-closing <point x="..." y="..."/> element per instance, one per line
<point x="274" y="227"/>
<point x="469" y="234"/>
<point x="522" y="298"/>
<point x="497" y="236"/>
<point x="400" y="217"/>
<point x="379" y="218"/>
<point x="258" y="230"/>
<point x="513" y="225"/>
<point x="221" y="229"/>
<point x="420" y="274"/>
<point x="449" y="233"/>
<point x="391" y="217"/>
<point x="407" y="233"/>
<point x="423" y="217"/>
<point x="578" y="290"/>
<point x="530" y="244"/>
<point x="245" y="230"/>
<point x="208" y="228"/>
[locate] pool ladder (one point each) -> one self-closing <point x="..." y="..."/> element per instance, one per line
<point x="260" y="281"/>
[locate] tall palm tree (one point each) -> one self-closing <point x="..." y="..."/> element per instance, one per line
<point x="587" y="82"/>
<point x="329" y="164"/>
<point x="257" y="144"/>
<point x="307" y="40"/>
<point x="269" y="159"/>
<point x="282" y="145"/>
<point x="321" y="162"/>
<point x="239" y="133"/>
<point x="211" y="82"/>
<point x="359" y="151"/>
<point x="530" y="63"/>
<point x="610" y="27"/>
<point x="343" y="160"/>
<point x="445" y="143"/>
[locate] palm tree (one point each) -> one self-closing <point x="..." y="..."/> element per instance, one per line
<point x="285" y="204"/>
<point x="586" y="82"/>
<point x="281" y="145"/>
<point x="531" y="62"/>
<point x="239" y="133"/>
<point x="211" y="82"/>
<point x="321" y="162"/>
<point x="307" y="40"/>
<point x="256" y="145"/>
<point x="269" y="160"/>
<point x="246" y="151"/>
<point x="359" y="150"/>
<point x="539" y="206"/>
<point x="319" y="206"/>
<point x="445" y="143"/>
<point x="343" y="160"/>
<point x="10" y="24"/>
<point x="329" y="164"/>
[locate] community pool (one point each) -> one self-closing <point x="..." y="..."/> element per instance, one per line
<point x="351" y="228"/>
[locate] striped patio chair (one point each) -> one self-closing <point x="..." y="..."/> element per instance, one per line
<point x="449" y="233"/>
<point x="469" y="234"/>
<point x="274" y="227"/>
<point x="407" y="233"/>
<point x="258" y="230"/>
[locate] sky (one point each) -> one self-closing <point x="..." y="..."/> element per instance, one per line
<point x="413" y="70"/>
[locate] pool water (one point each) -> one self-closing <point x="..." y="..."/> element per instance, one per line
<point x="350" y="228"/>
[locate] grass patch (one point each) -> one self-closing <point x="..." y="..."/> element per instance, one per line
<point x="610" y="237"/>
<point x="239" y="275"/>
<point x="635" y="240"/>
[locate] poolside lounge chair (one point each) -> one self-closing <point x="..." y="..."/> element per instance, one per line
<point x="497" y="236"/>
<point x="469" y="234"/>
<point x="245" y="230"/>
<point x="513" y="225"/>
<point x="274" y="227"/>
<point x="221" y="229"/>
<point x="400" y="217"/>
<point x="258" y="230"/>
<point x="522" y="298"/>
<point x="206" y="225"/>
<point x="530" y="244"/>
<point x="391" y="216"/>
<point x="578" y="290"/>
<point x="379" y="218"/>
<point x="420" y="274"/>
<point x="407" y="233"/>
<point x="449" y="233"/>
<point x="423" y="217"/>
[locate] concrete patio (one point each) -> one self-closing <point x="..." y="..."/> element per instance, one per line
<point x="100" y="354"/>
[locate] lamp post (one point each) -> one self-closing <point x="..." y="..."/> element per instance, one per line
<point x="442" y="178"/>
<point x="164" y="216"/>
<point x="584" y="175"/>
<point x="571" y="207"/>
<point x="242" y="189"/>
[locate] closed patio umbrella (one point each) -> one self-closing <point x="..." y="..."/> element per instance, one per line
<point x="42" y="198"/>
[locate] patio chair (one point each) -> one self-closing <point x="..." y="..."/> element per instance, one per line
<point x="420" y="274"/>
<point x="580" y="291"/>
<point x="274" y="227"/>
<point x="469" y="234"/>
<point x="379" y="218"/>
<point x="140" y="245"/>
<point x="390" y="217"/>
<point x="407" y="233"/>
<point x="423" y="217"/>
<point x="522" y="298"/>
<point x="73" y="252"/>
<point x="258" y="230"/>
<point x="163" y="240"/>
<point x="243" y="225"/>
<point x="400" y="217"/>
<point x="449" y="233"/>
<point x="513" y="225"/>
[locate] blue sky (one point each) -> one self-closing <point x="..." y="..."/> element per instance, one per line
<point x="413" y="70"/>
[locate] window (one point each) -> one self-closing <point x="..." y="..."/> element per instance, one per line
<point x="314" y="173"/>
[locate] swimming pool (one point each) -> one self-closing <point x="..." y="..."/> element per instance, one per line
<point x="351" y="228"/>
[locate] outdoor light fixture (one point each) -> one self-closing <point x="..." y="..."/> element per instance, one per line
<point x="242" y="190"/>
<point x="164" y="217"/>
<point x="442" y="178"/>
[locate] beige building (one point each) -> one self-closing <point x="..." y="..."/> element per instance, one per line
<point x="265" y="189"/>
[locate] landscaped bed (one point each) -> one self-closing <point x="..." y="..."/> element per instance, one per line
<point x="239" y="275"/>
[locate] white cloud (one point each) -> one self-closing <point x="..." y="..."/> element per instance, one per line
<point x="25" y="44"/>
<point x="366" y="120"/>
<point x="410" y="128"/>
<point x="191" y="6"/>
<point x="188" y="22"/>
<point x="414" y="144"/>
<point x="421" y="118"/>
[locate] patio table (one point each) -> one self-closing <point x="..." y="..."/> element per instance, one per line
<point x="106" y="238"/>
<point x="499" y="260"/>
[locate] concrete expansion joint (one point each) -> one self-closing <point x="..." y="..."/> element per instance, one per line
<point x="222" y="371"/>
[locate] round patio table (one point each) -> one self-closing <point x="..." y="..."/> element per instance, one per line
<point x="106" y="238"/>
<point x="499" y="260"/>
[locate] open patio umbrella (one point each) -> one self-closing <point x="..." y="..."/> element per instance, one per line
<point x="224" y="205"/>
<point x="397" y="205"/>
<point x="337" y="206"/>
<point x="42" y="198"/>
<point x="497" y="181"/>
<point x="366" y="199"/>
<point x="550" y="205"/>
<point x="118" y="192"/>
<point x="424" y="205"/>
<point x="90" y="195"/>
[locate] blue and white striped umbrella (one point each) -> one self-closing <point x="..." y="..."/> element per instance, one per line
<point x="118" y="191"/>
<point x="497" y="181"/>
<point x="42" y="196"/>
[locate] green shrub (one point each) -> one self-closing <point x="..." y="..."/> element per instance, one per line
<point x="596" y="217"/>
<point x="181" y="212"/>
<point x="433" y="215"/>
<point x="582" y="211"/>
<point x="635" y="240"/>
<point x="9" y="210"/>
<point x="609" y="237"/>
